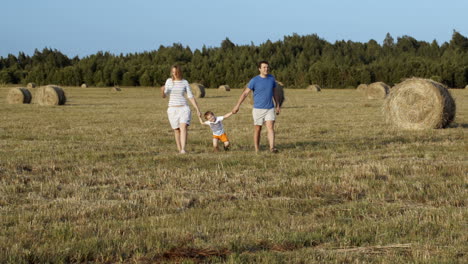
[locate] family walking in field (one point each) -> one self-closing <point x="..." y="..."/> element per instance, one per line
<point x="266" y="107"/>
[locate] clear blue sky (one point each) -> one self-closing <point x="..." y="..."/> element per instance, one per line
<point x="84" y="27"/>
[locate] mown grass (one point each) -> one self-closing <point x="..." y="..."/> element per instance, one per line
<point x="99" y="180"/>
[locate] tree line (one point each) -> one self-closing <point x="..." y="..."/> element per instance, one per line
<point x="297" y="61"/>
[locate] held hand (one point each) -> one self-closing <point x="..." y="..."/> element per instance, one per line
<point x="278" y="111"/>
<point x="199" y="113"/>
<point x="235" y="110"/>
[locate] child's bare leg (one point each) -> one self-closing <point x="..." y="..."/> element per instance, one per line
<point x="215" y="144"/>
<point x="226" y="145"/>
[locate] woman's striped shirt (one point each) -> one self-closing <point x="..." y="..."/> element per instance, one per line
<point x="176" y="91"/>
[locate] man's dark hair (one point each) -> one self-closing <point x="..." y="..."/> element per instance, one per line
<point x="261" y="62"/>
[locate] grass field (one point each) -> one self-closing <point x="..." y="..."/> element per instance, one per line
<point x="99" y="180"/>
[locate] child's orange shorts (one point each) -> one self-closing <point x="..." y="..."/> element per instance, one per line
<point x="223" y="137"/>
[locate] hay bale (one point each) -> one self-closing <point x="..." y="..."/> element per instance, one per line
<point x="116" y="89"/>
<point x="361" y="88"/>
<point x="198" y="90"/>
<point x="31" y="85"/>
<point x="377" y="90"/>
<point x="84" y="85"/>
<point x="19" y="96"/>
<point x="419" y="104"/>
<point x="224" y="88"/>
<point x="466" y="87"/>
<point x="314" y="88"/>
<point x="50" y="95"/>
<point x="280" y="92"/>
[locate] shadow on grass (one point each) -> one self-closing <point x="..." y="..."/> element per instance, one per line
<point x="290" y="107"/>
<point x="456" y="125"/>
<point x="213" y="97"/>
<point x="300" y="145"/>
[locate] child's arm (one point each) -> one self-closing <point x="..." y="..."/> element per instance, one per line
<point x="201" y="121"/>
<point x="227" y="115"/>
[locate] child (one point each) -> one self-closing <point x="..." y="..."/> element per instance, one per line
<point x="216" y="125"/>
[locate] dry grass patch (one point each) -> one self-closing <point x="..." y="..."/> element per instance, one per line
<point x="109" y="186"/>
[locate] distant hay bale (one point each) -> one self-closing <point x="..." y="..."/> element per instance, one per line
<point x="116" y="89"/>
<point x="19" y="96"/>
<point x="361" y="88"/>
<point x="31" y="85"/>
<point x="377" y="90"/>
<point x="224" y="88"/>
<point x="198" y="90"/>
<point x="84" y="85"/>
<point x="466" y="87"/>
<point x="314" y="88"/>
<point x="50" y="95"/>
<point x="419" y="104"/>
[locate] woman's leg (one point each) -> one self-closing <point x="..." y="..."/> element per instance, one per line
<point x="183" y="137"/>
<point x="177" y="138"/>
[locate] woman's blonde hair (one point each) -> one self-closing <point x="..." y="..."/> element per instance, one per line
<point x="178" y="72"/>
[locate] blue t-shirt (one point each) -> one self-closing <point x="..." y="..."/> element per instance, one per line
<point x="262" y="89"/>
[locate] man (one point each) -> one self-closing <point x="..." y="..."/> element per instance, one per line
<point x="263" y="88"/>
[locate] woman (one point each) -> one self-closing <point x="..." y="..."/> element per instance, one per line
<point x="178" y="112"/>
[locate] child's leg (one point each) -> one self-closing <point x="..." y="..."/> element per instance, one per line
<point x="215" y="144"/>
<point x="226" y="145"/>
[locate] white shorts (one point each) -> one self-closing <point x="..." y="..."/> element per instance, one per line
<point x="262" y="115"/>
<point x="179" y="115"/>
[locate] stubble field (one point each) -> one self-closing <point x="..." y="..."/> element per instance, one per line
<point x="99" y="180"/>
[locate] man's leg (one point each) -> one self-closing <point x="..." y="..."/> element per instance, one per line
<point x="257" y="131"/>
<point x="271" y="134"/>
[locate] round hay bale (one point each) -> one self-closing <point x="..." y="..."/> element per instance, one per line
<point x="377" y="90"/>
<point x="361" y="88"/>
<point x="466" y="87"/>
<point x="84" y="85"/>
<point x="19" y="96"/>
<point x="31" y="85"/>
<point x="314" y="88"/>
<point x="116" y="89"/>
<point x="419" y="104"/>
<point x="198" y="90"/>
<point x="280" y="92"/>
<point x="50" y="95"/>
<point x="224" y="88"/>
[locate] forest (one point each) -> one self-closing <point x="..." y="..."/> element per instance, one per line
<point x="297" y="61"/>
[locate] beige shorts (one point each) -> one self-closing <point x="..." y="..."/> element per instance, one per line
<point x="262" y="115"/>
<point x="178" y="115"/>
